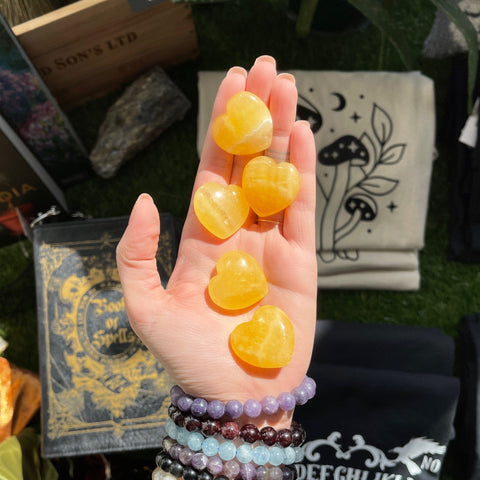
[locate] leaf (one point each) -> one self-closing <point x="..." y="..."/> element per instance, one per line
<point x="381" y="124"/>
<point x="305" y="17"/>
<point x="463" y="23"/>
<point x="379" y="186"/>
<point x="381" y="18"/>
<point x="393" y="154"/>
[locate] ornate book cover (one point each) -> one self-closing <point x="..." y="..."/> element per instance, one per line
<point x="102" y="390"/>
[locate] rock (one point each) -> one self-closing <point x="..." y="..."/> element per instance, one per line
<point x="145" y="110"/>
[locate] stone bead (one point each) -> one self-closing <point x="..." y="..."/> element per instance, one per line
<point x="260" y="455"/>
<point x="227" y="450"/>
<point x="231" y="469"/>
<point x="185" y="456"/>
<point x="211" y="427"/>
<point x="199" y="407"/>
<point x="210" y="446"/>
<point x="230" y="430"/>
<point x="239" y="282"/>
<point x="184" y="403"/>
<point x="289" y="473"/>
<point x="215" y="465"/>
<point x="310" y="386"/>
<point x="159" y="474"/>
<point x="269" y="187"/>
<point x="268" y="435"/>
<point x="248" y="471"/>
<point x="298" y="436"/>
<point x="262" y="472"/>
<point x="199" y="461"/>
<point x="284" y="437"/>
<point x="249" y="433"/>
<point x="175" y="451"/>
<point x="252" y="408"/>
<point x="299" y="454"/>
<point x="194" y="441"/>
<point x="159" y="457"/>
<point x="290" y="455"/>
<point x="234" y="409"/>
<point x="182" y="435"/>
<point x="189" y="473"/>
<point x="265" y="341"/>
<point x="166" y="463"/>
<point x="176" y="469"/>
<point x="167" y="443"/>
<point x="216" y="409"/>
<point x="274" y="473"/>
<point x="171" y="429"/>
<point x="269" y="405"/>
<point x="175" y="393"/>
<point x="277" y="456"/>
<point x="179" y="419"/>
<point x="192" y="424"/>
<point x="246" y="127"/>
<point x="301" y="395"/>
<point x="244" y="453"/>
<point x="204" y="476"/>
<point x="286" y="401"/>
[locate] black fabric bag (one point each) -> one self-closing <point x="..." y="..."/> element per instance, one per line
<point x="376" y="417"/>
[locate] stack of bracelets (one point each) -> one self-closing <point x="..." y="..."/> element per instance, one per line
<point x="204" y="442"/>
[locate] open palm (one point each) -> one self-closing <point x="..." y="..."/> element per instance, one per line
<point x="179" y="324"/>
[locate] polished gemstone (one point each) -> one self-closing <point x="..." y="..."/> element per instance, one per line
<point x="222" y="210"/>
<point x="269" y="187"/>
<point x="267" y="340"/>
<point x="239" y="282"/>
<point x="246" y="127"/>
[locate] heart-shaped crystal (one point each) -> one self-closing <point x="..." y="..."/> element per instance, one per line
<point x="246" y="127"/>
<point x="222" y="210"/>
<point x="269" y="187"/>
<point x="267" y="340"/>
<point x="239" y="283"/>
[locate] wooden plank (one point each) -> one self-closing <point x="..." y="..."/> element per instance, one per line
<point x="91" y="46"/>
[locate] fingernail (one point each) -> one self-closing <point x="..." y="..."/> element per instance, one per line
<point x="287" y="76"/>
<point x="237" y="70"/>
<point x="266" y="58"/>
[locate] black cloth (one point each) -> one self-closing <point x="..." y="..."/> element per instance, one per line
<point x="467" y="443"/>
<point x="375" y="416"/>
<point x="464" y="166"/>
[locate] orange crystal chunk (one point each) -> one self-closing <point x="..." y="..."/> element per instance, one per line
<point x="246" y="127"/>
<point x="269" y="187"/>
<point x="239" y="283"/>
<point x="222" y="210"/>
<point x="267" y="340"/>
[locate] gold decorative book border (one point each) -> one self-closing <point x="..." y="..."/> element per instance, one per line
<point x="102" y="389"/>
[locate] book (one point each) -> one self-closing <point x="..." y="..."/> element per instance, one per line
<point x="102" y="390"/>
<point x="29" y="107"/>
<point x="26" y="188"/>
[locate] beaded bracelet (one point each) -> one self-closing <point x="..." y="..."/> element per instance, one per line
<point x="252" y="408"/>
<point x="230" y="430"/>
<point x="227" y="450"/>
<point x="191" y="468"/>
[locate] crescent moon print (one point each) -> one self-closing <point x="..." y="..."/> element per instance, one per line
<point x="341" y="102"/>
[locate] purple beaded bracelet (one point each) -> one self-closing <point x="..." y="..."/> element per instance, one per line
<point x="269" y="405"/>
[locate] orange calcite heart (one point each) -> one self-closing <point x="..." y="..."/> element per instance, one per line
<point x="246" y="127"/>
<point x="221" y="210"/>
<point x="267" y="340"/>
<point x="239" y="283"/>
<point x="269" y="187"/>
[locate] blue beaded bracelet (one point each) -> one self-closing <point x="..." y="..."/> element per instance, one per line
<point x="269" y="405"/>
<point x="227" y="450"/>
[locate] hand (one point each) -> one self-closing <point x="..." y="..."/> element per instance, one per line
<point x="183" y="329"/>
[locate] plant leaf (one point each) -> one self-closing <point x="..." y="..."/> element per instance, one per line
<point x="379" y="186"/>
<point x="381" y="18"/>
<point x="463" y="23"/>
<point x="393" y="154"/>
<point x="305" y="17"/>
<point x="381" y="124"/>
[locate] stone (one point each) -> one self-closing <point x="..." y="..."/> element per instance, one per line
<point x="239" y="282"/>
<point x="246" y="127"/>
<point x="145" y="110"/>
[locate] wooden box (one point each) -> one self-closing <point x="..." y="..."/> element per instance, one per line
<point x="92" y="46"/>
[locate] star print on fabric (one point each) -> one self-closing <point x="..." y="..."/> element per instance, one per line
<point x="392" y="206"/>
<point x="355" y="117"/>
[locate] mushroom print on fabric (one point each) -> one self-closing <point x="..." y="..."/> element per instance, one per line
<point x="350" y="178"/>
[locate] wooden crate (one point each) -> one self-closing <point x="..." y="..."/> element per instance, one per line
<point x="89" y="47"/>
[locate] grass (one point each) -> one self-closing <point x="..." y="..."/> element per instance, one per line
<point x="166" y="169"/>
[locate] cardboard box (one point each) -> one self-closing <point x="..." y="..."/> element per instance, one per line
<point x="89" y="47"/>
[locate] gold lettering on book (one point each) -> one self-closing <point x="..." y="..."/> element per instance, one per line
<point x="7" y="196"/>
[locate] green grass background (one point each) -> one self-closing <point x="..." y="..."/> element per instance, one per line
<point x="235" y="33"/>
